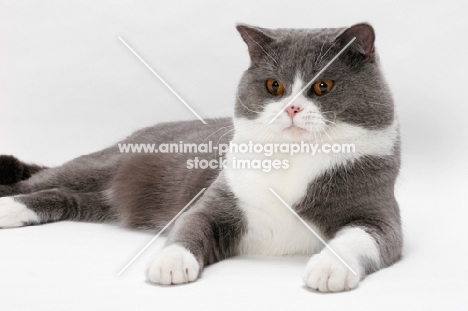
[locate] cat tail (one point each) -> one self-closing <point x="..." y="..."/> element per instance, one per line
<point x="13" y="170"/>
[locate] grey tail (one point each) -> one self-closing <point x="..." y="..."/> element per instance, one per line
<point x="13" y="170"/>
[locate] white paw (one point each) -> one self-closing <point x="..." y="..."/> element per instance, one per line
<point x="326" y="273"/>
<point x="174" y="265"/>
<point x="15" y="214"/>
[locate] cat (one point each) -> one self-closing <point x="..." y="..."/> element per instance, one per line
<point x="345" y="198"/>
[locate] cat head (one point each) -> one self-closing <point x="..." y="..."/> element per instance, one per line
<point x="350" y="92"/>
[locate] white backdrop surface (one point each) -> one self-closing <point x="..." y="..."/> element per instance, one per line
<point x="68" y="87"/>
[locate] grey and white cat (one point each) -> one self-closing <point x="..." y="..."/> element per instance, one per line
<point x="347" y="198"/>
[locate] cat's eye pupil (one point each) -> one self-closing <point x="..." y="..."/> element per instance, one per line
<point x="275" y="86"/>
<point x="323" y="86"/>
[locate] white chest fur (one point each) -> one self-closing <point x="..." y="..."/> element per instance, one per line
<point x="271" y="228"/>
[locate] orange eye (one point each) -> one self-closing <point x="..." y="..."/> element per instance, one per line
<point x="274" y="87"/>
<point x="322" y="87"/>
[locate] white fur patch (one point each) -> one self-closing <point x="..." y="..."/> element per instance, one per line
<point x="271" y="228"/>
<point x="15" y="214"/>
<point x="326" y="273"/>
<point x="174" y="265"/>
<point x="367" y="142"/>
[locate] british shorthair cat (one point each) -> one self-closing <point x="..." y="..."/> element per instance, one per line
<point x="346" y="199"/>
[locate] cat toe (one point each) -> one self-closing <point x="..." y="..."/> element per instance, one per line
<point x="326" y="273"/>
<point x="174" y="265"/>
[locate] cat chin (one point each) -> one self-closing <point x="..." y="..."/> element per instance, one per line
<point x="295" y="130"/>
<point x="295" y="133"/>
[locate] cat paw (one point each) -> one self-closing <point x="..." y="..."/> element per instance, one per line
<point x="326" y="273"/>
<point x="174" y="265"/>
<point x="15" y="214"/>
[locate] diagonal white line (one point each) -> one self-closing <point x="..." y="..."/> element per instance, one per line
<point x="160" y="232"/>
<point x="312" y="230"/>
<point x="313" y="80"/>
<point x="162" y="80"/>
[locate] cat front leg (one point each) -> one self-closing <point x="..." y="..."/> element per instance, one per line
<point x="209" y="232"/>
<point x="325" y="272"/>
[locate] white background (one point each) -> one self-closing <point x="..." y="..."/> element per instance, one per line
<point x="68" y="87"/>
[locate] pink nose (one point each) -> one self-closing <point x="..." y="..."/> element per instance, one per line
<point x="293" y="110"/>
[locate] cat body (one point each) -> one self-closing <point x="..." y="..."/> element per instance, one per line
<point x="345" y="199"/>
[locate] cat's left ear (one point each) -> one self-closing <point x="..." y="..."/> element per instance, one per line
<point x="364" y="43"/>
<point x="257" y="40"/>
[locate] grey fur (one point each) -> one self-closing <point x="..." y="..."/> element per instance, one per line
<point x="360" y="194"/>
<point x="212" y="229"/>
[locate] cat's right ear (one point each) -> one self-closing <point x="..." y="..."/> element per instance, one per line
<point x="364" y="42"/>
<point x="256" y="39"/>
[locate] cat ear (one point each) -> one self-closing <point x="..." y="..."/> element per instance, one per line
<point x="256" y="39"/>
<point x="364" y="43"/>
